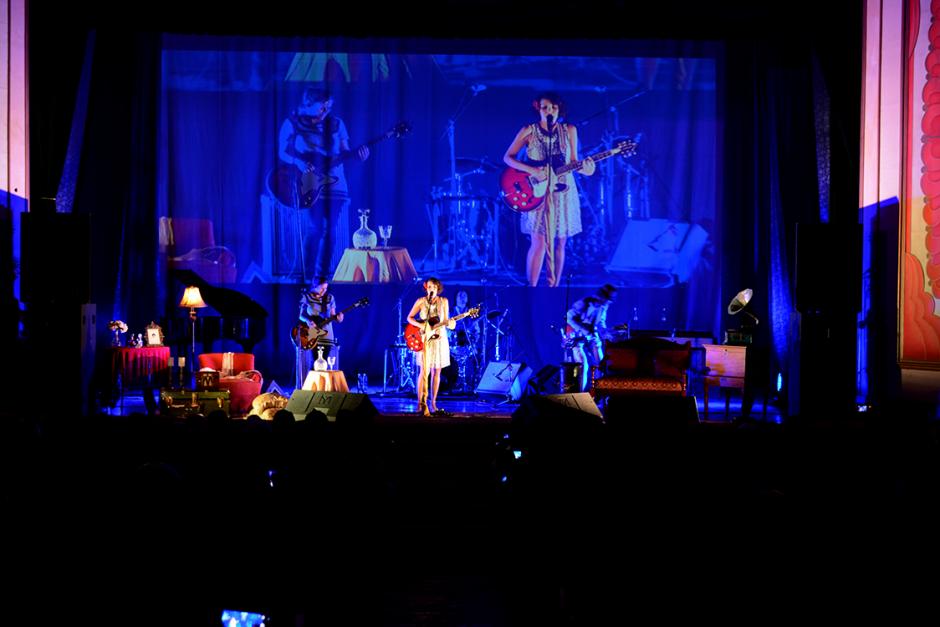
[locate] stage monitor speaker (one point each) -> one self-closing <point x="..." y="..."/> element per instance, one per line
<point x="581" y="401"/>
<point x="662" y="252"/>
<point x="555" y="416"/>
<point x="546" y="379"/>
<point x="505" y="377"/>
<point x="828" y="268"/>
<point x="302" y="402"/>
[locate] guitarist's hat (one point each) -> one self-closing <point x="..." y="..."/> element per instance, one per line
<point x="607" y="292"/>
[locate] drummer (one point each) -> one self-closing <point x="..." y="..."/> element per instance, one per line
<point x="465" y="334"/>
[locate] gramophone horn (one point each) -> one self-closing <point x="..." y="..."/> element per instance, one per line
<point x="739" y="302"/>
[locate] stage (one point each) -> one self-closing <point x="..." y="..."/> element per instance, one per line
<point x="401" y="408"/>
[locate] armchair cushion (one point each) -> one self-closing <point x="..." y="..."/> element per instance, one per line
<point x="266" y="405"/>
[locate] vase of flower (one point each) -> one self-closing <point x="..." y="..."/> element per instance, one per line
<point x="117" y="327"/>
<point x="364" y="237"/>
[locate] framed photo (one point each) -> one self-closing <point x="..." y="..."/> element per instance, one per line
<point x="154" y="334"/>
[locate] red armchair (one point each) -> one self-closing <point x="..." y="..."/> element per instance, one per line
<point x="243" y="383"/>
<point x="189" y="244"/>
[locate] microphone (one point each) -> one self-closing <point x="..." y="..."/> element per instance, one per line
<point x="550" y="121"/>
<point x="477" y="88"/>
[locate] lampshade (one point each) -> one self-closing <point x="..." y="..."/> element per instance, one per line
<point x="192" y="298"/>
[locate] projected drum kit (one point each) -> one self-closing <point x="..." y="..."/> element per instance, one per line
<point x="464" y="223"/>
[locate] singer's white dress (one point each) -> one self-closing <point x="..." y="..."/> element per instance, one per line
<point x="564" y="217"/>
<point x="437" y="352"/>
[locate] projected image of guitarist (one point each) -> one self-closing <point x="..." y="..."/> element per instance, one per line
<point x="587" y="322"/>
<point x="315" y="143"/>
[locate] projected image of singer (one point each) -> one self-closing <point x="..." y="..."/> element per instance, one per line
<point x="549" y="141"/>
<point x="314" y="142"/>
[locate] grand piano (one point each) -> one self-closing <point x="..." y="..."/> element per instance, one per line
<point x="241" y="318"/>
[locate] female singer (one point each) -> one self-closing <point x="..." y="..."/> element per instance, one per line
<point x="433" y="309"/>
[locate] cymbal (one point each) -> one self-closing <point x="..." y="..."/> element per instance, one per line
<point x="471" y="164"/>
<point x="495" y="314"/>
<point x="449" y="198"/>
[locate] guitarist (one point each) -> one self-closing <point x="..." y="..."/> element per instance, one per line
<point x="587" y="319"/>
<point x="559" y="217"/>
<point x="429" y="310"/>
<point x="315" y="305"/>
<point x="308" y="139"/>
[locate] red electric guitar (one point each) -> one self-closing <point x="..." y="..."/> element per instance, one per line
<point x="524" y="192"/>
<point x="415" y="337"/>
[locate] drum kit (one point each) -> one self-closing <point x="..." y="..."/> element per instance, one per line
<point x="473" y="343"/>
<point x="464" y="222"/>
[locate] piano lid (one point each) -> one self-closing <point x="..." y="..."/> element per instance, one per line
<point x="228" y="302"/>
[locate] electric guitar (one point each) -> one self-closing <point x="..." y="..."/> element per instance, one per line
<point x="294" y="188"/>
<point x="524" y="192"/>
<point x="570" y="338"/>
<point x="306" y="336"/>
<point x="415" y="338"/>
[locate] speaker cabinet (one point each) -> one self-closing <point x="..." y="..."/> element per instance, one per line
<point x="505" y="377"/>
<point x="655" y="413"/>
<point x="302" y="402"/>
<point x="828" y="268"/>
<point x="56" y="258"/>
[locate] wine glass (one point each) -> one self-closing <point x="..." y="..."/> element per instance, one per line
<point x="331" y="360"/>
<point x="385" y="232"/>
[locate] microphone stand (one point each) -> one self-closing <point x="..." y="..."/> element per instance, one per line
<point x="498" y="333"/>
<point x="450" y="131"/>
<point x="611" y="108"/>
<point x="549" y="199"/>
<point x="405" y="372"/>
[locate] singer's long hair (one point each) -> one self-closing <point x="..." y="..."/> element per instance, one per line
<point x="553" y="98"/>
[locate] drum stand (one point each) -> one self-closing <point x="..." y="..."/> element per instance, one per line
<point x="403" y="365"/>
<point x="403" y="375"/>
